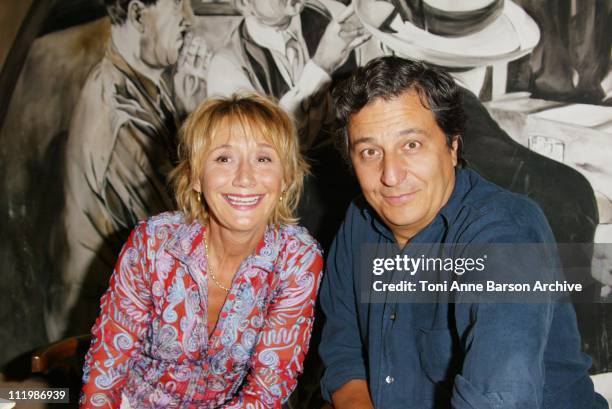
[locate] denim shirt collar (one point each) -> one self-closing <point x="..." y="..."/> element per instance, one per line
<point x="443" y="219"/>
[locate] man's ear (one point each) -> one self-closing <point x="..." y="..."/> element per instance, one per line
<point x="135" y="14"/>
<point x="455" y="149"/>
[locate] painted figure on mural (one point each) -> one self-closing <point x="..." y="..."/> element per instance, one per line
<point x="289" y="50"/>
<point x="120" y="147"/>
<point x="573" y="58"/>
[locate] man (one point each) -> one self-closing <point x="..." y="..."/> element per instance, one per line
<point x="402" y="124"/>
<point x="441" y="36"/>
<point x="120" y="148"/>
<point x="293" y="50"/>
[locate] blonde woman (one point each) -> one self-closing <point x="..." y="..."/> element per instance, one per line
<point x="212" y="306"/>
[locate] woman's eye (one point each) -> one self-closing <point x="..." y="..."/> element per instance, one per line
<point x="264" y="159"/>
<point x="222" y="159"/>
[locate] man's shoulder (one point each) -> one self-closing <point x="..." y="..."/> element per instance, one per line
<point x="106" y="77"/>
<point x="232" y="42"/>
<point x="111" y="94"/>
<point x="94" y="92"/>
<point x="485" y="196"/>
<point x="359" y="220"/>
<point x="90" y="133"/>
<point x="487" y="204"/>
<point x="110" y="102"/>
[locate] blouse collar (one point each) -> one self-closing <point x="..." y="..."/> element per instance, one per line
<point x="187" y="246"/>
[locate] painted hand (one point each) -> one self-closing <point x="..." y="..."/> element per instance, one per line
<point x="342" y="35"/>
<point x="190" y="75"/>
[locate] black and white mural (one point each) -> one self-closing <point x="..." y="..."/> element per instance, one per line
<point x="93" y="93"/>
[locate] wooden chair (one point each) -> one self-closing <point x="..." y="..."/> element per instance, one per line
<point x="66" y="355"/>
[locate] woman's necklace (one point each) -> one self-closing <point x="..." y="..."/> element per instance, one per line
<point x="210" y="270"/>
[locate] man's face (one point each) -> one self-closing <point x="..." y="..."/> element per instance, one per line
<point x="275" y="13"/>
<point x="164" y="28"/>
<point x="402" y="161"/>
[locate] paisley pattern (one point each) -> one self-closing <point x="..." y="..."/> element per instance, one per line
<point x="151" y="341"/>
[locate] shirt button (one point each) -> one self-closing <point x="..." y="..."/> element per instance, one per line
<point x="389" y="379"/>
<point x="392" y="316"/>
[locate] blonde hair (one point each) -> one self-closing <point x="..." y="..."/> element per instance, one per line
<point x="255" y="116"/>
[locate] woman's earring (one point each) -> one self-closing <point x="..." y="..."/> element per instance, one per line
<point x="199" y="197"/>
<point x="280" y="199"/>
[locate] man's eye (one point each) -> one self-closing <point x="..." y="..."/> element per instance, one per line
<point x="413" y="145"/>
<point x="369" y="153"/>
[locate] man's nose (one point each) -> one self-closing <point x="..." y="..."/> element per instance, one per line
<point x="187" y="15"/>
<point x="393" y="171"/>
<point x="244" y="175"/>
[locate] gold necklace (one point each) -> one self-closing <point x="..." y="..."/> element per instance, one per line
<point x="210" y="270"/>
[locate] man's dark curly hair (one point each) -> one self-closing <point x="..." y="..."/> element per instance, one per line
<point x="118" y="9"/>
<point x="389" y="77"/>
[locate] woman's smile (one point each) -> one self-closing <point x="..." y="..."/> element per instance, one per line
<point x="243" y="201"/>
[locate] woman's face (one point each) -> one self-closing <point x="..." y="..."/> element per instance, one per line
<point x="241" y="181"/>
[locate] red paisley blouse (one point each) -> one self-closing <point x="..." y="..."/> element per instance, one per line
<point x="151" y="342"/>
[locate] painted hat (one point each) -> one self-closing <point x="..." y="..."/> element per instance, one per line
<point x="451" y="33"/>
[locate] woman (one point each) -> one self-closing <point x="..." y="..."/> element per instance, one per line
<point x="212" y="306"/>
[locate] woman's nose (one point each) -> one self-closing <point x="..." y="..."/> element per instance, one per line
<point x="244" y="175"/>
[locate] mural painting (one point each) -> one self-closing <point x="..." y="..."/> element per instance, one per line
<point x="94" y="94"/>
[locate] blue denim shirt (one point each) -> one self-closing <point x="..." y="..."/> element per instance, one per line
<point x="445" y="355"/>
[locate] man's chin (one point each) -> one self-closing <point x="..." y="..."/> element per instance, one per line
<point x="172" y="59"/>
<point x="397" y="219"/>
<point x="279" y="24"/>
